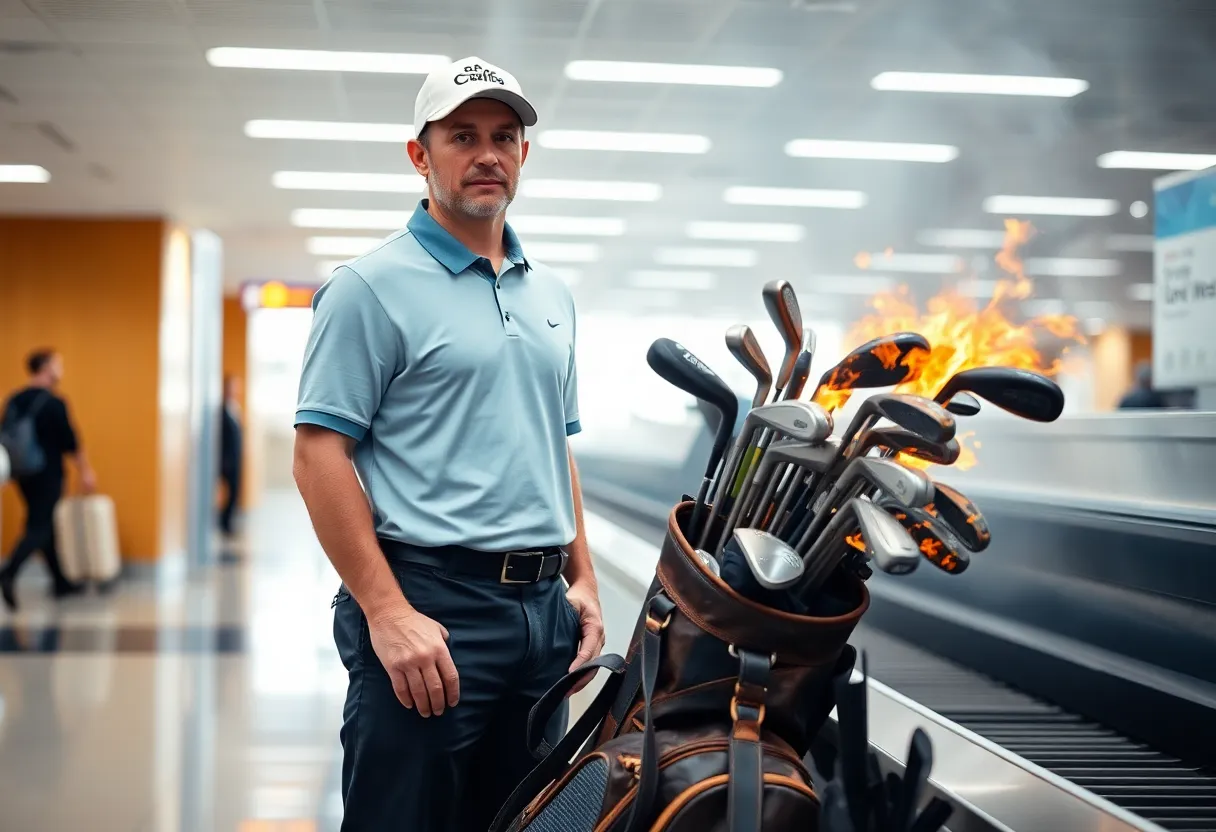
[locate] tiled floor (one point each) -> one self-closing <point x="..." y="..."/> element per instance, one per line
<point x="204" y="704"/>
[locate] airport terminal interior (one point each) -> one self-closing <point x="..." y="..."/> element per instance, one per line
<point x="974" y="239"/>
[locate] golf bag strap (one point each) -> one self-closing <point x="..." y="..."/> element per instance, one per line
<point x="658" y="614"/>
<point x="547" y="705"/>
<point x="745" y="790"/>
<point x="556" y="757"/>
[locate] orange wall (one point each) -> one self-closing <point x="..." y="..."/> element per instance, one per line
<point x="1142" y="347"/>
<point x="92" y="290"/>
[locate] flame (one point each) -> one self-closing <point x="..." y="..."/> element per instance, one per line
<point x="960" y="334"/>
<point x="856" y="541"/>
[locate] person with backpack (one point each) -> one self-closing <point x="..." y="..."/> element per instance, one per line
<point x="36" y="433"/>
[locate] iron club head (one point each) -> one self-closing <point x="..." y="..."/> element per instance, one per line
<point x="962" y="516"/>
<point x="781" y="302"/>
<point x="936" y="543"/>
<point x="774" y="563"/>
<point x="742" y="343"/>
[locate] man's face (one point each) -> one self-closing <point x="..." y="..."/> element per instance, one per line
<point x="55" y="368"/>
<point x="473" y="160"/>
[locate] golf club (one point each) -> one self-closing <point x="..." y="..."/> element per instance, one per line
<point x="963" y="403"/>
<point x="781" y="302"/>
<point x="882" y="362"/>
<point x="771" y="560"/>
<point x="962" y="516"/>
<point x="679" y="367"/>
<point x="811" y="456"/>
<point x="898" y="440"/>
<point x="742" y="343"/>
<point x="802" y="368"/>
<point x="907" y="486"/>
<point x="1023" y="393"/>
<point x="936" y="543"/>
<point x="805" y="421"/>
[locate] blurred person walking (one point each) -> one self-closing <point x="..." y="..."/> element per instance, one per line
<point x="231" y="449"/>
<point x="440" y="376"/>
<point x="1142" y="394"/>
<point x="38" y="434"/>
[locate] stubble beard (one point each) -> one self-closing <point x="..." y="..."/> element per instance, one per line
<point x="458" y="203"/>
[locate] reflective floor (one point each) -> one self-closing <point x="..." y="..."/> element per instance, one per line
<point x="210" y="703"/>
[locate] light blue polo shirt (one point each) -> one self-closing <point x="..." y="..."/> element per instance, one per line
<point x="457" y="384"/>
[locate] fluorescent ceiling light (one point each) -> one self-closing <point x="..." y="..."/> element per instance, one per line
<point x="655" y="73"/>
<point x="961" y="238"/>
<point x="399" y="183"/>
<point x="878" y="151"/>
<point x="768" y="232"/>
<point x="1072" y="267"/>
<point x="1130" y="242"/>
<point x="339" y="131"/>
<point x="632" y="142"/>
<point x="348" y="218"/>
<point x="313" y="59"/>
<point x="342" y="246"/>
<point x="578" y="226"/>
<point x="1044" y="306"/>
<point x="737" y="257"/>
<point x="325" y="268"/>
<point x="1050" y="205"/>
<point x="1141" y="160"/>
<point x="918" y="263"/>
<point x="690" y="280"/>
<point x="794" y="197"/>
<point x="29" y="174"/>
<point x="851" y="284"/>
<point x="590" y="189"/>
<point x="1141" y="291"/>
<point x="979" y="84"/>
<point x="546" y="251"/>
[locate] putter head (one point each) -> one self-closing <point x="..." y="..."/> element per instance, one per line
<point x="742" y="343"/>
<point x="908" y="486"/>
<point x="963" y="403"/>
<point x="883" y="362"/>
<point x="887" y="543"/>
<point x="680" y="368"/>
<point x="772" y="561"/>
<point x="1023" y="393"/>
<point x="796" y="419"/>
<point x="962" y="516"/>
<point x="781" y="302"/>
<point x="936" y="544"/>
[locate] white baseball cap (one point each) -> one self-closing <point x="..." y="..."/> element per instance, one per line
<point x="447" y="88"/>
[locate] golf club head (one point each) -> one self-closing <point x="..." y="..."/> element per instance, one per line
<point x="922" y="416"/>
<point x="938" y="545"/>
<point x="905" y="441"/>
<point x="962" y="516"/>
<point x="742" y="343"/>
<point x="908" y="486"/>
<point x="886" y="542"/>
<point x="1023" y="393"/>
<point x="802" y="369"/>
<point x="796" y="419"/>
<point x="781" y="302"/>
<point x="812" y="456"/>
<point x="710" y="562"/>
<point x="963" y="403"/>
<point x="679" y="367"/>
<point x="883" y="362"/>
<point x="772" y="561"/>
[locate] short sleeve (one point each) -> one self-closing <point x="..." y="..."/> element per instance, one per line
<point x="570" y="392"/>
<point x="353" y="351"/>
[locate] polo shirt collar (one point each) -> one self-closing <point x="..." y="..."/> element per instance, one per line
<point x="453" y="254"/>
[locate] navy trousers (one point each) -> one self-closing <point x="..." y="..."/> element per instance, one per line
<point x="451" y="773"/>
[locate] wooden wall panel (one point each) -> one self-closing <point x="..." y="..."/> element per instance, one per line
<point x="92" y="290"/>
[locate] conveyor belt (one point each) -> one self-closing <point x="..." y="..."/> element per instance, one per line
<point x="1154" y="786"/>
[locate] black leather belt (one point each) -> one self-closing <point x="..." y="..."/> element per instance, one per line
<point x="522" y="566"/>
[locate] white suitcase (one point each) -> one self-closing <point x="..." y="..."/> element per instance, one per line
<point x="86" y="529"/>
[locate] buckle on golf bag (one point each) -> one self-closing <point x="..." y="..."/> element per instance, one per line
<point x="747" y="703"/>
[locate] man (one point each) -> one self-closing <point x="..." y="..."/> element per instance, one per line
<point x="230" y="451"/>
<point x="442" y="364"/>
<point x="42" y="490"/>
<point x="1142" y="394"/>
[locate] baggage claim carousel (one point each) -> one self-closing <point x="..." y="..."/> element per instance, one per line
<point x="1068" y="678"/>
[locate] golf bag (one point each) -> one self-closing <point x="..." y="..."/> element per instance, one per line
<point x="705" y="724"/>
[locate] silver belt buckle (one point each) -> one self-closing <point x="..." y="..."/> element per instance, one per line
<point x="506" y="561"/>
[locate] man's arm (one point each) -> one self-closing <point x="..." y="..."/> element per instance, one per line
<point x="584" y="593"/>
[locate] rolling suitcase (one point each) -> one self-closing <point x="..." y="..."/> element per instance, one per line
<point x="86" y="529"/>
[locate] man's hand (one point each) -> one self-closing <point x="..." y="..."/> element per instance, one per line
<point x="584" y="597"/>
<point x="414" y="652"/>
<point x="88" y="481"/>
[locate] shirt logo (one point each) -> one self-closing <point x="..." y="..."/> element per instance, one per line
<point x="551" y="324"/>
<point x="477" y="73"/>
